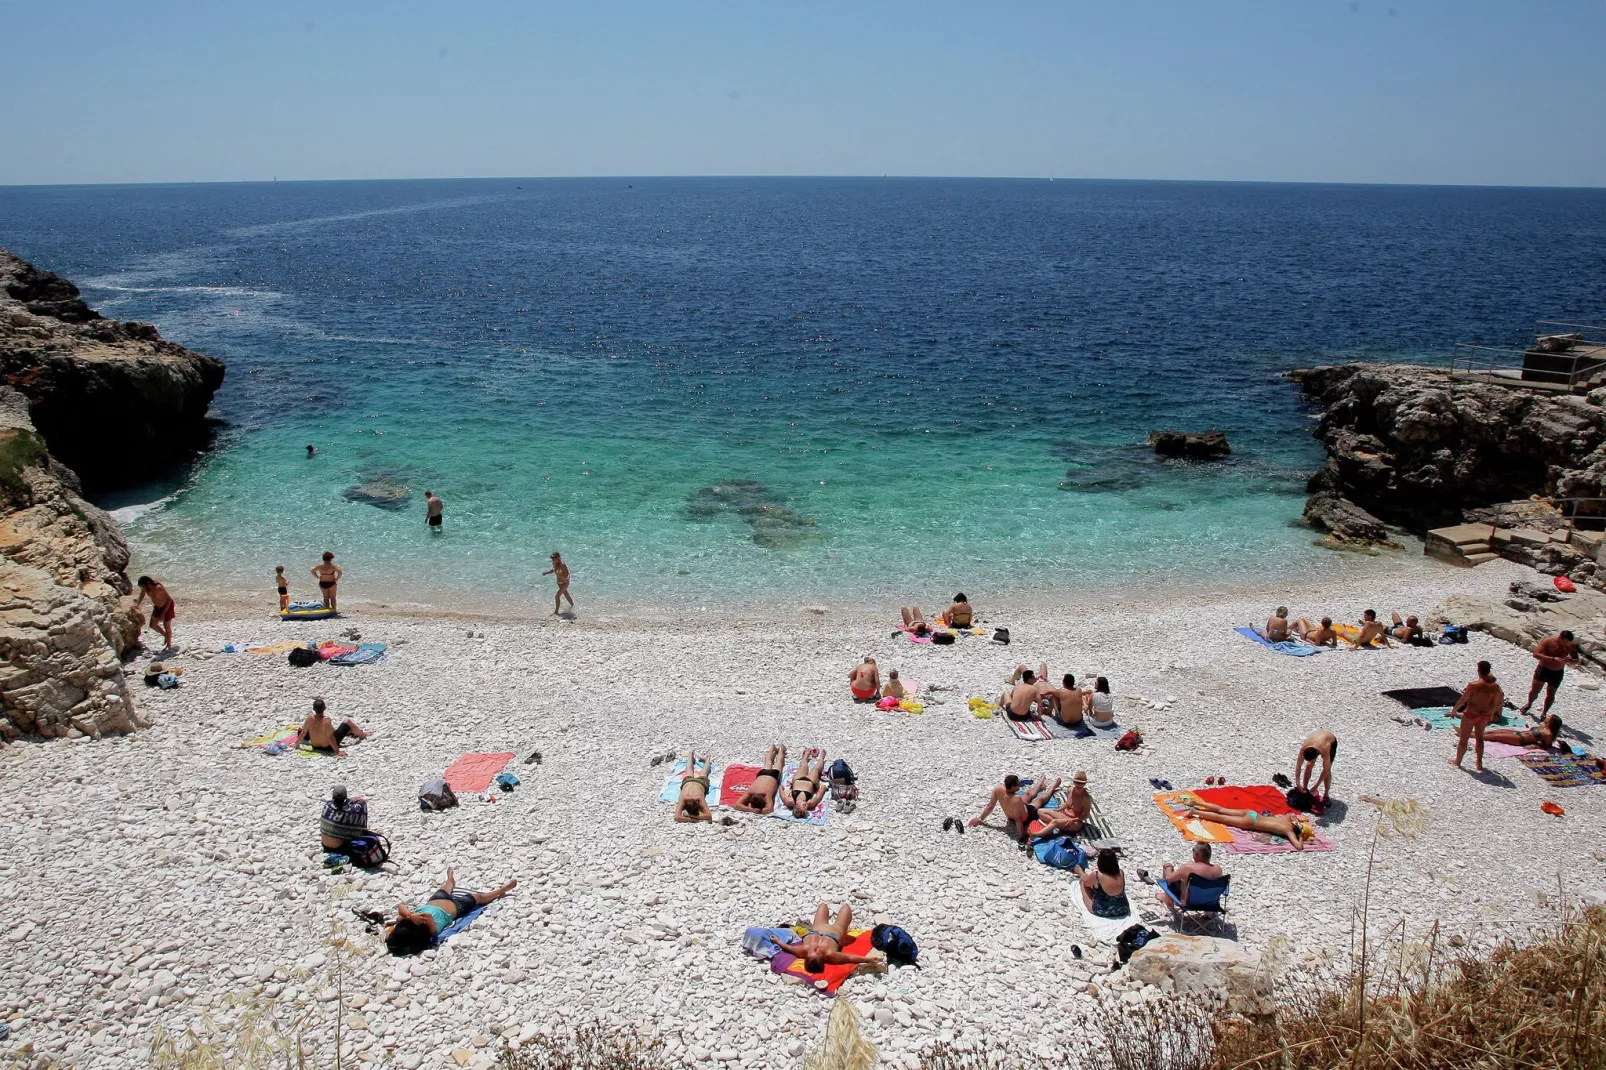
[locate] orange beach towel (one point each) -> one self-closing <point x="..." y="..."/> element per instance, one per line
<point x="833" y="976"/>
<point x="1174" y="805"/>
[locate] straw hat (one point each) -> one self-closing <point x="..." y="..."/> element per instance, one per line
<point x="1080" y="777"/>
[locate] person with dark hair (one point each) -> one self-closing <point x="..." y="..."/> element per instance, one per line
<point x="1477" y="707"/>
<point x="914" y="622"/>
<point x="1544" y="734"/>
<point x="434" y="508"/>
<point x="1103" y="888"/>
<point x="1176" y="878"/>
<point x="1553" y="656"/>
<point x="560" y="573"/>
<point x="1101" y="704"/>
<point x="693" y="803"/>
<point x="328" y="576"/>
<point x="808" y="786"/>
<point x="1020" y="810"/>
<point x="1027" y="692"/>
<point x="1324" y="635"/>
<point x="1321" y="745"/>
<point x="1297" y="830"/>
<point x="321" y="733"/>
<point x="1069" y="702"/>
<point x="162" y="609"/>
<point x="415" y="930"/>
<point x="960" y="614"/>
<point x="343" y="820"/>
<point x="759" y="798"/>
<point x="1372" y="630"/>
<point x="822" y="945"/>
<point x="864" y="680"/>
<point x="312" y="451"/>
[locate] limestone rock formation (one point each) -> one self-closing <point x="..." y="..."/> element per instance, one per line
<point x="65" y="618"/>
<point x="1345" y="523"/>
<point x="114" y="401"/>
<point x="1194" y="446"/>
<point x="1221" y="971"/>
<point x="1409" y="446"/>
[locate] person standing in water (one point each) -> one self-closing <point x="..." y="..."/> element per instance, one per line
<point x="561" y="571"/>
<point x="433" y="508"/>
<point x="282" y="582"/>
<point x="328" y="575"/>
<point x="162" y="608"/>
<point x="312" y="451"/>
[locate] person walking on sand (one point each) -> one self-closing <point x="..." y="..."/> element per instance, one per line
<point x="1553" y="655"/>
<point x="433" y="507"/>
<point x="328" y="576"/>
<point x="163" y="610"/>
<point x="1478" y="706"/>
<point x="283" y="584"/>
<point x="561" y="571"/>
<point x="1320" y="746"/>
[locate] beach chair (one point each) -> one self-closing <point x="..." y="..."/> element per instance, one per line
<point x="1204" y="901"/>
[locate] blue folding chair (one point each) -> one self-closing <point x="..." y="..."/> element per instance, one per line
<point x="1203" y="904"/>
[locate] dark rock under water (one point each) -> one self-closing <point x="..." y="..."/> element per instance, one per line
<point x="382" y="491"/>
<point x="775" y="526"/>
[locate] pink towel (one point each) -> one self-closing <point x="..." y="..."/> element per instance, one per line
<point x="1245" y="842"/>
<point x="474" y="772"/>
<point x="1504" y="750"/>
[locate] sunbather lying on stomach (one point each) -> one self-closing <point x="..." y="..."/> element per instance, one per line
<point x="822" y="945"/>
<point x="1294" y="829"/>
<point x="415" y="930"/>
<point x="693" y="803"/>
<point x="808" y="786"/>
<point x="759" y="798"/>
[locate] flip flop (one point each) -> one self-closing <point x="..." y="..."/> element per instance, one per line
<point x="1281" y="780"/>
<point x="1143" y="875"/>
<point x="947" y="824"/>
<point x="535" y="757"/>
<point x="1165" y="785"/>
<point x="1156" y="782"/>
<point x="959" y="825"/>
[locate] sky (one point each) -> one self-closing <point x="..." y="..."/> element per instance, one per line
<point x="1486" y="92"/>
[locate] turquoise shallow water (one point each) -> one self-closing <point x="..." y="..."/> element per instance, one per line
<point x="910" y="387"/>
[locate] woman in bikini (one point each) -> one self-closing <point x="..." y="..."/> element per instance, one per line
<point x="865" y="681"/>
<point x="807" y="787"/>
<point x="914" y="622"/>
<point x="693" y="804"/>
<point x="759" y="798"/>
<point x="1543" y="734"/>
<point x="1293" y="828"/>
<point x="415" y="930"/>
<point x="821" y="946"/>
<point x="959" y="614"/>
<point x="162" y="608"/>
<point x="328" y="575"/>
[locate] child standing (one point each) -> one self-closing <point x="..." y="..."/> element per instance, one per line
<point x="283" y="584"/>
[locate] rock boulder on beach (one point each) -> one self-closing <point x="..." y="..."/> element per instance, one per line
<point x="384" y="492"/>
<point x="1222" y="971"/>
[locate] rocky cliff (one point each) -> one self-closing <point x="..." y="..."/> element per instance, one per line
<point x="1409" y="447"/>
<point x="114" y="401"/>
<point x="80" y="396"/>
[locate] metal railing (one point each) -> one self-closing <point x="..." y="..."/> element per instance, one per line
<point x="1584" y="514"/>
<point x="1512" y="367"/>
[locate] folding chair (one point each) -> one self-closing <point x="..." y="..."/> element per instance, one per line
<point x="1204" y="901"/>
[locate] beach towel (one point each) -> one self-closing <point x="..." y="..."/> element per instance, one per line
<point x="1262" y="798"/>
<point x="1174" y="804"/>
<point x="463" y="922"/>
<point x="1440" y="717"/>
<point x="1032" y="730"/>
<point x="276" y="736"/>
<point x="830" y="979"/>
<point x="1417" y="698"/>
<point x="474" y="772"/>
<point x="734" y="784"/>
<point x="1492" y="749"/>
<point x="362" y="655"/>
<point x="764" y="943"/>
<point x="1104" y="930"/>
<point x="671" y="791"/>
<point x="1352" y="632"/>
<point x="815" y="816"/>
<point x="1245" y="842"/>
<point x="1564" y="770"/>
<point x="1294" y="648"/>
<point x="282" y="647"/>
<point x="330" y="649"/>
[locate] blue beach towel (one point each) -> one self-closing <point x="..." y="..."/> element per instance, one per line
<point x="671" y="792"/>
<point x="361" y="656"/>
<point x="763" y="943"/>
<point x="460" y="924"/>
<point x="1292" y="647"/>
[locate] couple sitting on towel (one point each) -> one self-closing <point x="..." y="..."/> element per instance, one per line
<point x="1020" y="810"/>
<point x="805" y="791"/>
<point x="1029" y="695"/>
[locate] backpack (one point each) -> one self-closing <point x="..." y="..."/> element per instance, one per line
<point x="1001" y="636"/>
<point x="1131" y="741"/>
<point x="1132" y="938"/>
<point x="436" y="795"/>
<point x="369" y="850"/>
<point x="1454" y="633"/>
<point x="303" y="656"/>
<point x="897" y="945"/>
<point x="1060" y="853"/>
<point x="842" y="773"/>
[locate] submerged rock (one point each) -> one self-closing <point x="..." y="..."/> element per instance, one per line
<point x="1105" y="468"/>
<point x="1194" y="446"/>
<point x="383" y="492"/>
<point x="775" y="526"/>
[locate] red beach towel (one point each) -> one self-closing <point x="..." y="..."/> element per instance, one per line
<point x="738" y="778"/>
<point x="1262" y="798"/>
<point x="474" y="772"/>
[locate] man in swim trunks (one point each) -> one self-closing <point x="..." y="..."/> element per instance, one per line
<point x="1316" y="636"/>
<point x="1543" y="734"/>
<point x="561" y="572"/>
<point x="1176" y="878"/>
<point x="1478" y="706"/>
<point x="328" y="576"/>
<point x="1321" y="745"/>
<point x="821" y="946"/>
<point x="1276" y="629"/>
<point x="693" y="804"/>
<point x="1297" y="830"/>
<point x="1025" y="690"/>
<point x="1371" y="630"/>
<point x="162" y="609"/>
<point x="433" y="507"/>
<point x="1020" y="810"/>
<point x="283" y="584"/>
<point x="960" y="614"/>
<point x="865" y="680"/>
<point x="321" y="733"/>
<point x="1069" y="702"/>
<point x="759" y="798"/>
<point x="1405" y="631"/>
<point x="808" y="785"/>
<point x="415" y="930"/>
<point x="1553" y="655"/>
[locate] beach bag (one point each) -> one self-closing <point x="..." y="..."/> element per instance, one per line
<point x="303" y="656"/>
<point x="1001" y="636"/>
<point x="507" y="781"/>
<point x="897" y="945"/>
<point x="1131" y="741"/>
<point x="1061" y="854"/>
<point x="1421" y="640"/>
<point x="842" y="773"/>
<point x="369" y="850"/>
<point x="942" y="638"/>
<point x="436" y="795"/>
<point x="1132" y="938"/>
<point x="1454" y="633"/>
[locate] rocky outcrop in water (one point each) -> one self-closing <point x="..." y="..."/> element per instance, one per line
<point x="775" y="526"/>
<point x="1407" y="446"/>
<point x="114" y="401"/>
<point x="1190" y="445"/>
<point x="65" y="618"/>
<point x="380" y="491"/>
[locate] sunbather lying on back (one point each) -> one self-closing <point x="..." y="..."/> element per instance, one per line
<point x="759" y="798"/>
<point x="1315" y="636"/>
<point x="914" y="622"/>
<point x="1405" y="630"/>
<point x="693" y="804"/>
<point x="1543" y="734"/>
<point x="822" y="945"/>
<point x="415" y="930"/>
<point x="1296" y="830"/>
<point x="808" y="786"/>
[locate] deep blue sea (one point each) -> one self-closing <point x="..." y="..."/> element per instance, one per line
<point x="781" y="388"/>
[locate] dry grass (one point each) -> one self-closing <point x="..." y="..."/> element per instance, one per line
<point x="587" y="1046"/>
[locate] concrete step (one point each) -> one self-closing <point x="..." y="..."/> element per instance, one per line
<point x="1469" y="548"/>
<point x="1478" y="559"/>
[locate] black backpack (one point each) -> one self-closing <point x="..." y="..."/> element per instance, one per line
<point x="302" y="656"/>
<point x="369" y="850"/>
<point x="841" y="772"/>
<point x="1001" y="636"/>
<point x="942" y="638"/>
<point x="1132" y="938"/>
<point x="897" y="945"/>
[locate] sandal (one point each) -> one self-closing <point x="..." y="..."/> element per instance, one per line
<point x="1143" y="875"/>
<point x="959" y="825"/>
<point x="947" y="824"/>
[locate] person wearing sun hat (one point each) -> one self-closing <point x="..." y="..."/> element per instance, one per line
<point x="1078" y="808"/>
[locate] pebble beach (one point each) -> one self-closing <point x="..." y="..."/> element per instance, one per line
<point x="159" y="879"/>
